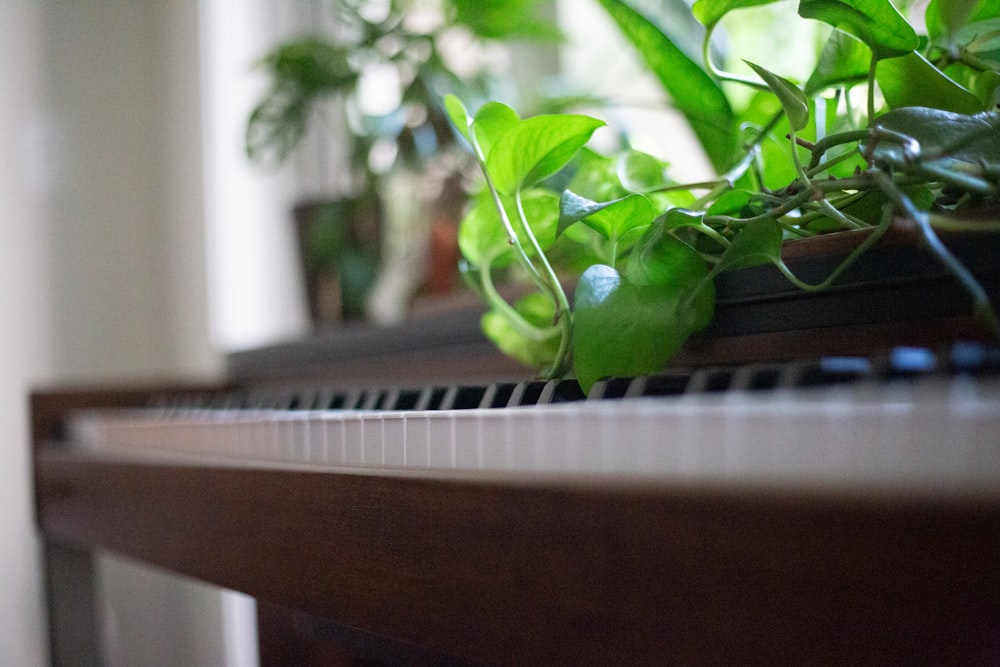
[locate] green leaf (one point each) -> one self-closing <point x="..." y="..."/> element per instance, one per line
<point x="777" y="168"/>
<point x="982" y="39"/>
<point x="912" y="81"/>
<point x="541" y="208"/>
<point x="661" y="259"/>
<point x="730" y="202"/>
<point x="535" y="351"/>
<point x="709" y="12"/>
<point x="492" y="121"/>
<point x="595" y="177"/>
<point x="757" y="243"/>
<point x="483" y="239"/>
<point x="877" y="23"/>
<point x="844" y="60"/>
<point x="481" y="236"/>
<point x="641" y="172"/>
<point x="458" y="115"/>
<point x="954" y="141"/>
<point x="676" y="218"/>
<point x="610" y="219"/>
<point x="693" y="92"/>
<point x="793" y="100"/>
<point x="621" y="329"/>
<point x="536" y="148"/>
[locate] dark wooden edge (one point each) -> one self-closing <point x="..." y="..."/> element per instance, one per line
<point x="896" y="294"/>
<point x="814" y="343"/>
<point x="552" y="573"/>
<point x="442" y="347"/>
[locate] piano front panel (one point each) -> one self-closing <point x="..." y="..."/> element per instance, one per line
<point x="503" y="572"/>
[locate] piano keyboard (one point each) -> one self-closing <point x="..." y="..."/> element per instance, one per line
<point x="907" y="421"/>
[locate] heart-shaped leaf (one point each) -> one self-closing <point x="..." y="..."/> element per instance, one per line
<point x="757" y="243"/>
<point x="493" y="120"/>
<point x="912" y="81"/>
<point x="534" y="351"/>
<point x="621" y="329"/>
<point x="609" y="219"/>
<point x="536" y="148"/>
<point x="948" y="138"/>
<point x="661" y="259"/>
<point x="641" y="172"/>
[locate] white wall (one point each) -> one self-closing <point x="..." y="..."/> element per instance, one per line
<point x="102" y="278"/>
<point x="121" y="86"/>
<point x="23" y="330"/>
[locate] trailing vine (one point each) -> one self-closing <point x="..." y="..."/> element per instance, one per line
<point x="644" y="250"/>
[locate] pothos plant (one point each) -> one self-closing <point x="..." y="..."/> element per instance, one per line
<point x="921" y="149"/>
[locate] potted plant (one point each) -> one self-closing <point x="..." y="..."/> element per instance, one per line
<point x="918" y="157"/>
<point x="387" y="65"/>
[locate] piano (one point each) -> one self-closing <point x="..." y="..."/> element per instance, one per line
<point x="402" y="503"/>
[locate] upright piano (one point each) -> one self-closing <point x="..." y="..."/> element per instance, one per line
<point x="408" y="497"/>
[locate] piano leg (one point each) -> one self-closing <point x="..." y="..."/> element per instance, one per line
<point x="74" y="620"/>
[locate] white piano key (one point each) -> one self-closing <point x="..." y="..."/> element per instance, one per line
<point x="466" y="439"/>
<point x="553" y="429"/>
<point x="335" y="439"/>
<point x="521" y="447"/>
<point x="441" y="440"/>
<point x="593" y="439"/>
<point x="394" y="439"/>
<point x="417" y="440"/>
<point x="373" y="447"/>
<point x="316" y="438"/>
<point x="353" y="442"/>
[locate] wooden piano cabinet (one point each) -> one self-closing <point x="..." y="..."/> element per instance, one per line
<point x="542" y="570"/>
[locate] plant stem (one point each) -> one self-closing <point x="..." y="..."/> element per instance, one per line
<point x="871" y="89"/>
<point x="863" y="247"/>
<point x="949" y="224"/>
<point x="831" y="140"/>
<point x="512" y="237"/>
<point x="563" y="317"/>
<point x="982" y="305"/>
<point x="525" y="328"/>
<point x="722" y="75"/>
<point x="785" y="207"/>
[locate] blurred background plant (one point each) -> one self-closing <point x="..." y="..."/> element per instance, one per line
<point x="390" y="62"/>
<point x="385" y="66"/>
